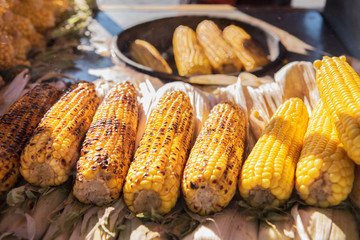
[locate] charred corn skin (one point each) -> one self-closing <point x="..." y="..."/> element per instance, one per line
<point x="324" y="173"/>
<point x="17" y="125"/>
<point x="220" y="54"/>
<point x="339" y="87"/>
<point x="153" y="180"/>
<point x="52" y="151"/>
<point x="212" y="170"/>
<point x="108" y="147"/>
<point x="267" y="176"/>
<point x="189" y="56"/>
<point x="246" y="49"/>
<point x="146" y="54"/>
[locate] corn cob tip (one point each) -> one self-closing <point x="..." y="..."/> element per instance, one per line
<point x="146" y="200"/>
<point x="317" y="64"/>
<point x="92" y="192"/>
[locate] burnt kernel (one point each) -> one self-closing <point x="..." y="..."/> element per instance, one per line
<point x="230" y="182"/>
<point x="63" y="162"/>
<point x="98" y="148"/>
<point x="221" y="187"/>
<point x="192" y="185"/>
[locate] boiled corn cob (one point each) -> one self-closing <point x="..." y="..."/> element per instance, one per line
<point x="324" y="173"/>
<point x="355" y="192"/>
<point x="212" y="170"/>
<point x="52" y="151"/>
<point x="339" y="87"/>
<point x="153" y="180"/>
<point x="146" y="54"/>
<point x="220" y="54"/>
<point x="189" y="56"/>
<point x="267" y="176"/>
<point x="108" y="147"/>
<point x="246" y="49"/>
<point x="17" y="125"/>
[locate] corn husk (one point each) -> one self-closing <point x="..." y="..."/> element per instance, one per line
<point x="30" y="210"/>
<point x="355" y="193"/>
<point x="277" y="227"/>
<point x="231" y="223"/>
<point x="324" y="223"/>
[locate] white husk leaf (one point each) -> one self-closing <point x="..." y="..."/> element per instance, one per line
<point x="278" y="227"/>
<point x="324" y="223"/>
<point x="226" y="225"/>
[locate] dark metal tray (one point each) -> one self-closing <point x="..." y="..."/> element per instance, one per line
<point x="159" y="32"/>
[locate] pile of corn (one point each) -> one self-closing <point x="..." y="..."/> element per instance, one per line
<point x="314" y="156"/>
<point x="23" y="24"/>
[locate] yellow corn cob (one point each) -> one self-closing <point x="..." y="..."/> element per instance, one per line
<point x="267" y="176"/>
<point x="246" y="49"/>
<point x="339" y="88"/>
<point x="153" y="180"/>
<point x="220" y="54"/>
<point x="108" y="147"/>
<point x="189" y="56"/>
<point x="146" y="54"/>
<point x="355" y="193"/>
<point x="17" y="125"/>
<point x="52" y="151"/>
<point x="212" y="170"/>
<point x="324" y="173"/>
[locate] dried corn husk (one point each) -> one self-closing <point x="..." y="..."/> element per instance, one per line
<point x="355" y="193"/>
<point x="277" y="227"/>
<point x="231" y="223"/>
<point x="324" y="223"/>
<point x="31" y="209"/>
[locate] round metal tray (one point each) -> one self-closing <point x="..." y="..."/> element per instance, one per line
<point x="159" y="32"/>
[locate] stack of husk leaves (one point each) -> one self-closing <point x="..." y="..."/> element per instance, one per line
<point x="53" y="213"/>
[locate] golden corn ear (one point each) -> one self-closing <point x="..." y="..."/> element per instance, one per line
<point x="212" y="170"/>
<point x="146" y="54"/>
<point x="339" y="87"/>
<point x="246" y="49"/>
<point x="324" y="173"/>
<point x="355" y="193"/>
<point x="220" y="54"/>
<point x="52" y="151"/>
<point x="108" y="147"/>
<point x="189" y="56"/>
<point x="267" y="176"/>
<point x="17" y="125"/>
<point x="153" y="180"/>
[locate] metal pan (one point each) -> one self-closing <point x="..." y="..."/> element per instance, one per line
<point x="159" y="32"/>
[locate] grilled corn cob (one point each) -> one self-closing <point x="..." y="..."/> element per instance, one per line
<point x="108" y="147"/>
<point x="17" y="125"/>
<point x="146" y="54"/>
<point x="189" y="56"/>
<point x="355" y="193"/>
<point x="267" y="176"/>
<point x="339" y="88"/>
<point x="153" y="180"/>
<point x="220" y="54"/>
<point x="212" y="170"/>
<point x="52" y="151"/>
<point x="246" y="49"/>
<point x="324" y="173"/>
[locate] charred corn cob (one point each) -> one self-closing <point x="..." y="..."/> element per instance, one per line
<point x="339" y="88"/>
<point x="189" y="56"/>
<point x="324" y="173"/>
<point x="52" y="151"/>
<point x="246" y="49"/>
<point x="146" y="54"/>
<point x="108" y="147"/>
<point x="212" y="170"/>
<point x="153" y="180"/>
<point x="267" y="176"/>
<point x="355" y="193"/>
<point x="220" y="54"/>
<point x="17" y="125"/>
